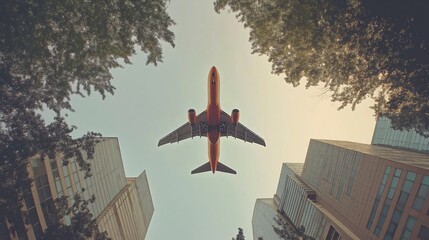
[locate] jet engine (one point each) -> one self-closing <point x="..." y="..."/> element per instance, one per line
<point x="192" y="116"/>
<point x="235" y="115"/>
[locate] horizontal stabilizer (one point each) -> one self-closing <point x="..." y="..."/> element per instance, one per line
<point x="203" y="168"/>
<point x="223" y="168"/>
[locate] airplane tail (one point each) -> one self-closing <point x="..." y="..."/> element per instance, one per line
<point x="203" y="168"/>
<point x="220" y="167"/>
<point x="223" y="168"/>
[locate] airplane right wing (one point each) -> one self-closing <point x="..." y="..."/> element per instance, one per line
<point x="238" y="131"/>
<point x="187" y="131"/>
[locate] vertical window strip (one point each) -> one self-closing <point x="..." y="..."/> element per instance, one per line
<point x="400" y="205"/>
<point x="377" y="199"/>
<point x="422" y="194"/>
<point x="347" y="160"/>
<point x="388" y="201"/>
<point x="337" y="163"/>
<point x="328" y="157"/>
<point x="353" y="173"/>
<point x="326" y="163"/>
<point x="408" y="228"/>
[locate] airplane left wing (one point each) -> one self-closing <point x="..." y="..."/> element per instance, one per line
<point x="187" y="131"/>
<point x="238" y="131"/>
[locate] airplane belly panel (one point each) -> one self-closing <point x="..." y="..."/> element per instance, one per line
<point x="213" y="155"/>
<point x="213" y="136"/>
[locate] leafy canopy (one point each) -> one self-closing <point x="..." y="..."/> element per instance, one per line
<point x="288" y="232"/>
<point x="356" y="49"/>
<point x="50" y="50"/>
<point x="82" y="224"/>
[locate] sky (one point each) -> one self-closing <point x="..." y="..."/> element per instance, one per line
<point x="150" y="102"/>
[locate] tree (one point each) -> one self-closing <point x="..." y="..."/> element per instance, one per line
<point x="240" y="235"/>
<point x="286" y="231"/>
<point x="356" y="49"/>
<point x="82" y="225"/>
<point x="49" y="51"/>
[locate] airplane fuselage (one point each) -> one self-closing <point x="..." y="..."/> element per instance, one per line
<point x="213" y="118"/>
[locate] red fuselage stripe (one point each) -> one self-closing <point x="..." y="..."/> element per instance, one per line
<point x="213" y="118"/>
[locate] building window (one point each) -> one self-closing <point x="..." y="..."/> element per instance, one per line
<point x="422" y="194"/>
<point x="353" y="173"/>
<point x="53" y="164"/>
<point x="377" y="199"/>
<point x="424" y="232"/>
<point x="332" y="234"/>
<point x="388" y="201"/>
<point x="38" y="231"/>
<point x="400" y="205"/>
<point x="65" y="170"/>
<point x="48" y="208"/>
<point x="28" y="197"/>
<point x="347" y="160"/>
<point x="408" y="228"/>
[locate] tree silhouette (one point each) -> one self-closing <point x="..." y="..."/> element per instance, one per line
<point x="82" y="225"/>
<point x="240" y="235"/>
<point x="286" y="231"/>
<point x="355" y="49"/>
<point x="49" y="51"/>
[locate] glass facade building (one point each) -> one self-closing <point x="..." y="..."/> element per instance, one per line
<point x="386" y="136"/>
<point x="108" y="183"/>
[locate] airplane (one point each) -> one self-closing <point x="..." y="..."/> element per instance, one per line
<point x="212" y="123"/>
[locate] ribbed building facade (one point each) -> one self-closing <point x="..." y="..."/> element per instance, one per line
<point x="348" y="190"/>
<point x="372" y="190"/>
<point x="264" y="212"/>
<point x="129" y="213"/>
<point x="127" y="199"/>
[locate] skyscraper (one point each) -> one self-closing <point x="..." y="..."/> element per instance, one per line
<point x="123" y="206"/>
<point x="349" y="190"/>
<point x="128" y="215"/>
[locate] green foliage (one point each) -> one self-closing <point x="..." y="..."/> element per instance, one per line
<point x="240" y="235"/>
<point x="62" y="48"/>
<point x="356" y="49"/>
<point x="50" y="50"/>
<point x="286" y="231"/>
<point x="82" y="225"/>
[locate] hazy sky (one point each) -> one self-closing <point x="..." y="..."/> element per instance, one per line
<point x="150" y="102"/>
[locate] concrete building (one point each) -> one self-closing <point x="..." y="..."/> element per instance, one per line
<point x="263" y="219"/>
<point x="123" y="206"/>
<point x="372" y="190"/>
<point x="349" y="190"/>
<point x="128" y="215"/>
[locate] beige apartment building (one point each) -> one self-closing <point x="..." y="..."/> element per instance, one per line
<point x="123" y="206"/>
<point x="347" y="190"/>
